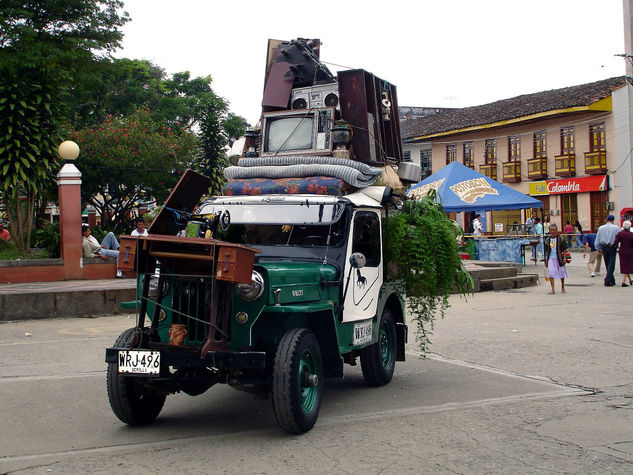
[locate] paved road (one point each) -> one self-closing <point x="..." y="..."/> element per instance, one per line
<point x="519" y="382"/>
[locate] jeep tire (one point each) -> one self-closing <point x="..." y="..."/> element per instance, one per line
<point x="297" y="381"/>
<point x="379" y="360"/>
<point x="131" y="400"/>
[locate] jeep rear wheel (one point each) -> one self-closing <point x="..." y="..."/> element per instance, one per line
<point x="379" y="360"/>
<point x="132" y="401"/>
<point x="297" y="381"/>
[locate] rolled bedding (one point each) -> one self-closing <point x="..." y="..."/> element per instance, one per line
<point x="356" y="174"/>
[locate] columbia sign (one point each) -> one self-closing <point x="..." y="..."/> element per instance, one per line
<point x="570" y="187"/>
<point x="469" y="190"/>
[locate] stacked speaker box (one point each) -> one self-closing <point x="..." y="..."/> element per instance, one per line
<point x="375" y="122"/>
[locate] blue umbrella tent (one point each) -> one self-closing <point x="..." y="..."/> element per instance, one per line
<point x="461" y="189"/>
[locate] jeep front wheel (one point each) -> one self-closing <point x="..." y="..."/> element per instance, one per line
<point x="297" y="381"/>
<point x="379" y="360"/>
<point x="131" y="400"/>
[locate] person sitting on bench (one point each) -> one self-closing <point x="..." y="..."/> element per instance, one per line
<point x="109" y="247"/>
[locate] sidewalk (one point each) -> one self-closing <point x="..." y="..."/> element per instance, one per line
<point x="77" y="298"/>
<point x="72" y="298"/>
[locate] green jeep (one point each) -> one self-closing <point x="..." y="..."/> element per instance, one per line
<point x="270" y="294"/>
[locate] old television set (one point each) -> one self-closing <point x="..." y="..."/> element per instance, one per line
<point x="297" y="132"/>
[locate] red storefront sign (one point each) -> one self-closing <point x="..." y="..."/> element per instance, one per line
<point x="578" y="185"/>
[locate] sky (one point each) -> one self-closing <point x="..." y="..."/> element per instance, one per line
<point x="440" y="53"/>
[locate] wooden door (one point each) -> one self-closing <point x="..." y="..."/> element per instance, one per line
<point x="598" y="203"/>
<point x="569" y="209"/>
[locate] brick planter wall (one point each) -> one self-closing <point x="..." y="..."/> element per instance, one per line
<point x="50" y="270"/>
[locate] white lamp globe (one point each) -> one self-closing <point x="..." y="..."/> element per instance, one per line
<point x="68" y="150"/>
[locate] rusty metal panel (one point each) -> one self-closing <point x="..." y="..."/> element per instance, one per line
<point x="278" y="86"/>
<point x="396" y="139"/>
<point x="353" y="98"/>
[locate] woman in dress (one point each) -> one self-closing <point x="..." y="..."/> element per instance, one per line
<point x="625" y="239"/>
<point x="546" y="224"/>
<point x="569" y="233"/>
<point x="554" y="258"/>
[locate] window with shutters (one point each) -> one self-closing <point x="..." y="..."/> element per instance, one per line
<point x="469" y="159"/>
<point x="514" y="148"/>
<point x="540" y="144"/>
<point x="567" y="140"/>
<point x="490" y="151"/>
<point x="451" y="153"/>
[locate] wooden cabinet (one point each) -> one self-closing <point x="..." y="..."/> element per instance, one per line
<point x="187" y="256"/>
<point x="127" y="253"/>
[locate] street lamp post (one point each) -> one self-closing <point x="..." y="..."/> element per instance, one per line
<point x="69" y="190"/>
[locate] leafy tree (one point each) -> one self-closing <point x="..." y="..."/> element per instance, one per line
<point x="42" y="44"/>
<point x="28" y="140"/>
<point x="114" y="87"/>
<point x="58" y="33"/>
<point x="131" y="159"/>
<point x="234" y="127"/>
<point x="178" y="101"/>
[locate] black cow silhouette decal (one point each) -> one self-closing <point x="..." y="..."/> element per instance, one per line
<point x="360" y="280"/>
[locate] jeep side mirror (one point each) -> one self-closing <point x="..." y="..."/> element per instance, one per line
<point x="357" y="260"/>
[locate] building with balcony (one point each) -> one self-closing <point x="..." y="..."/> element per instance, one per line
<point x="570" y="148"/>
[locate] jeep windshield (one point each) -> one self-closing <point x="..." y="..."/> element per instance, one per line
<point x="280" y="222"/>
<point x="276" y="210"/>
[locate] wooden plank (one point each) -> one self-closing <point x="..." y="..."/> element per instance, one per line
<point x="181" y="255"/>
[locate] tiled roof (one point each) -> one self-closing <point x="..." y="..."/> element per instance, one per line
<point x="513" y="108"/>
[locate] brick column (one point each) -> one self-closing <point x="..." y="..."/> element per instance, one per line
<point x="69" y="189"/>
<point x="92" y="216"/>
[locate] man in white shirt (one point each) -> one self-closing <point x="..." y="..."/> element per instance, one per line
<point x="605" y="238"/>
<point x="140" y="227"/>
<point x="477" y="227"/>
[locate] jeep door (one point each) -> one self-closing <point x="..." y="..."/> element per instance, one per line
<point x="364" y="285"/>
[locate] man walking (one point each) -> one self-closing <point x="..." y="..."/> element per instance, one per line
<point x="538" y="230"/>
<point x="595" y="259"/>
<point x="529" y="224"/>
<point x="605" y="245"/>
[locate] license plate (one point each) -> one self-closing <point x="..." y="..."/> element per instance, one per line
<point x="139" y="361"/>
<point x="362" y="332"/>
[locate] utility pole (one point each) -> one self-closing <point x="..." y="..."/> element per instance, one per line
<point x="628" y="36"/>
<point x="623" y="177"/>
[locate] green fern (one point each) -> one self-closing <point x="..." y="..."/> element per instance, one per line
<point x="421" y="247"/>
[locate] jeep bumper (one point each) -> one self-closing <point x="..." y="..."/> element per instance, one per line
<point x="182" y="357"/>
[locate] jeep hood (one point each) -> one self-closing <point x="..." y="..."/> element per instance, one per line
<point x="294" y="282"/>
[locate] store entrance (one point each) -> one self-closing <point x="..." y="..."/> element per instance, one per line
<point x="598" y="203"/>
<point x="568" y="209"/>
<point x="545" y="209"/>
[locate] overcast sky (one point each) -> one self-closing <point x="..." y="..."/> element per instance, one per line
<point x="440" y="53"/>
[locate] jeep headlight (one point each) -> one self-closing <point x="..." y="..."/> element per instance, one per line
<point x="252" y="291"/>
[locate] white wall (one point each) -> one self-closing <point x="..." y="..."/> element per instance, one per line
<point x="622" y="173"/>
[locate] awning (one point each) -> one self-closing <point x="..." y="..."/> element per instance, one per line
<point x="460" y="188"/>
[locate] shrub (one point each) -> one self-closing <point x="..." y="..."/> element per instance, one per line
<point x="47" y="237"/>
